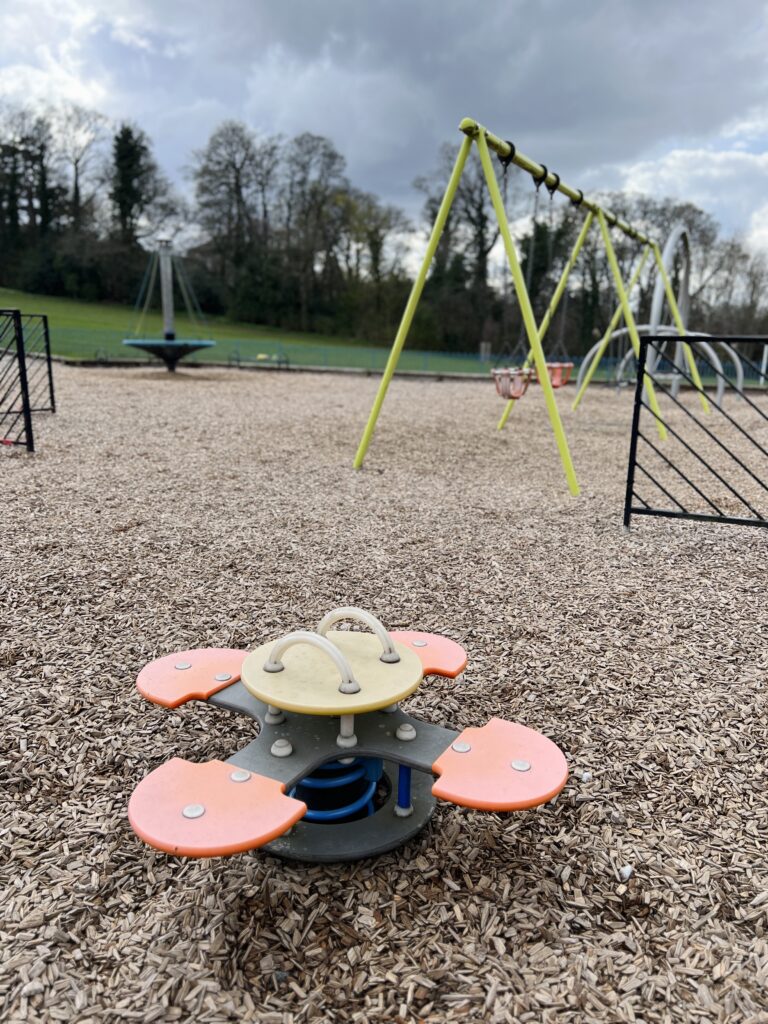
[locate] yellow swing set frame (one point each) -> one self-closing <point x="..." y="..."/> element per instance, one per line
<point x="476" y="134"/>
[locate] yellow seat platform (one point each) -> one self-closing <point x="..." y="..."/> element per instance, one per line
<point x="502" y="766"/>
<point x="210" y="809"/>
<point x="309" y="681"/>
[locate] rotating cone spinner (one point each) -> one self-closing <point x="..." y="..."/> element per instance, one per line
<point x="330" y="777"/>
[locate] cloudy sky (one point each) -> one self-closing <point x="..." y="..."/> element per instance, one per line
<point x="666" y="96"/>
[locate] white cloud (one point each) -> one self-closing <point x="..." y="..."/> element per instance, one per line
<point x="46" y="42"/>
<point x="757" y="233"/>
<point x="729" y="183"/>
<point x="123" y="32"/>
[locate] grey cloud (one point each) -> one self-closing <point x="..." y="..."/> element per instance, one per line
<point x="580" y="85"/>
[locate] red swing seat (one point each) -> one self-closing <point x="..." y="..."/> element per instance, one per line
<point x="559" y="374"/>
<point x="512" y="383"/>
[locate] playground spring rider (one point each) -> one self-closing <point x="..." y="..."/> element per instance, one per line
<point x="329" y="776"/>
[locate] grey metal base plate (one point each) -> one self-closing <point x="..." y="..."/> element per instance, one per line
<point x="367" y="837"/>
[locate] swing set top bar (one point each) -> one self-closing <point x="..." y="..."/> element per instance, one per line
<point x="503" y="149"/>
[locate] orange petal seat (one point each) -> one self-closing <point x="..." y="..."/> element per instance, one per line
<point x="210" y="810"/>
<point x="190" y="675"/>
<point x="559" y="374"/>
<point x="512" y="383"/>
<point x="439" y="655"/>
<point x="502" y="766"/>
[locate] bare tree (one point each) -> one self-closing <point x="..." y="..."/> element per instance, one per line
<point x="235" y="181"/>
<point x="80" y="134"/>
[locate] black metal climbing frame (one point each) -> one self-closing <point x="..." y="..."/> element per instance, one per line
<point x="712" y="465"/>
<point x="26" y="376"/>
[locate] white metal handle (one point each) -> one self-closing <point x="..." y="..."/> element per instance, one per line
<point x="274" y="662"/>
<point x="390" y="655"/>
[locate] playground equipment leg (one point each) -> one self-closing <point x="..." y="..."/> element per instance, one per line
<point x="552" y="308"/>
<point x="413" y="300"/>
<point x="680" y="326"/>
<point x="528" y="318"/>
<point x="607" y="336"/>
<point x="629" y="318"/>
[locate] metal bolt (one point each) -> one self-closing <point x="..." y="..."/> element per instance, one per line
<point x="222" y="677"/>
<point x="420" y="643"/>
<point x="405" y="731"/>
<point x="521" y="766"/>
<point x="460" y="747"/>
<point x="193" y="811"/>
<point x="240" y="775"/>
<point x="282" y="748"/>
<point x="181" y="665"/>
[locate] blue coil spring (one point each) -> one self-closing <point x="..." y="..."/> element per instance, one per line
<point x="337" y="792"/>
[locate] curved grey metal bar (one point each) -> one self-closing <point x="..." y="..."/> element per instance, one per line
<point x="677" y="236"/>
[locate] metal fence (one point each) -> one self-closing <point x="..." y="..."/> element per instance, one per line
<point x="690" y="458"/>
<point x="26" y="376"/>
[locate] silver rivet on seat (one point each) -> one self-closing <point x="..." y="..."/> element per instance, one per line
<point x="193" y="811"/>
<point x="181" y="665"/>
<point x="521" y="766"/>
<point x="461" y="747"/>
<point x="282" y="748"/>
<point x="222" y="677"/>
<point x="405" y="731"/>
<point x="419" y="643"/>
<point x="240" y="775"/>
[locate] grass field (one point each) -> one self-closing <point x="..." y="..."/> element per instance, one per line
<point x="95" y="331"/>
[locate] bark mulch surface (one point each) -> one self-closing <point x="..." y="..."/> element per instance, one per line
<point x="219" y="508"/>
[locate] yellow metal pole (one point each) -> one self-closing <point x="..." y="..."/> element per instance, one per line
<point x="607" y="336"/>
<point x="527" y="313"/>
<point x="547" y="177"/>
<point x="629" y="318"/>
<point x="680" y="327"/>
<point x="413" y="300"/>
<point x="552" y="308"/>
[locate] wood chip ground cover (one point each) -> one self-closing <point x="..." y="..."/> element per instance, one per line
<point x="218" y="508"/>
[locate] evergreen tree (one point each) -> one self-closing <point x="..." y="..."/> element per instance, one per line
<point x="135" y="182"/>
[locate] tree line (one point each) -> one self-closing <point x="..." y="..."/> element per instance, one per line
<point x="276" y="233"/>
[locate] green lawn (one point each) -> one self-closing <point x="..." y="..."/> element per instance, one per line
<point x="69" y="314"/>
<point x="95" y="331"/>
